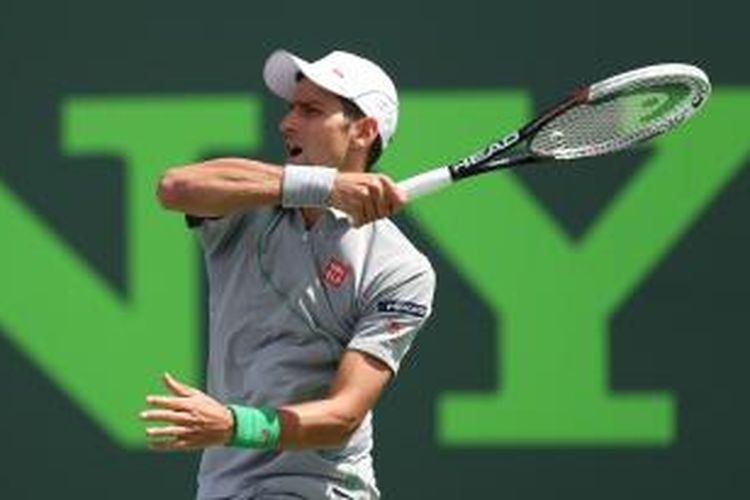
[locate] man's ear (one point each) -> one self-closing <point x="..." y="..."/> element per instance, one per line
<point x="365" y="132"/>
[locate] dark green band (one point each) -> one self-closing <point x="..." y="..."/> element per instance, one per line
<point x="257" y="428"/>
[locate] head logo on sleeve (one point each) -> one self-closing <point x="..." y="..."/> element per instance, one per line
<point x="335" y="272"/>
<point x="402" y="307"/>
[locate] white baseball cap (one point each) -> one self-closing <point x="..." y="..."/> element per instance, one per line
<point x="345" y="74"/>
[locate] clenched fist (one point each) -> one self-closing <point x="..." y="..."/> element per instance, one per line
<point x="366" y="197"/>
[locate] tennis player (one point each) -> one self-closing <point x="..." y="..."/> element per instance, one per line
<point x="314" y="295"/>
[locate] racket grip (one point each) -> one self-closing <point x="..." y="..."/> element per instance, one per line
<point x="426" y="183"/>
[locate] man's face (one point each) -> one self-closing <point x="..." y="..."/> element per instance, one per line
<point x="315" y="130"/>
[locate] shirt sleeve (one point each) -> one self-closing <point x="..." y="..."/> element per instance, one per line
<point x="216" y="232"/>
<point x="393" y="316"/>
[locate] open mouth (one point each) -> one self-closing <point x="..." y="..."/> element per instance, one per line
<point x="293" y="150"/>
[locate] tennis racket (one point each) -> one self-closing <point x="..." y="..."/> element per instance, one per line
<point x="602" y="118"/>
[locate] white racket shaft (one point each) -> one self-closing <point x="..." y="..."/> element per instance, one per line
<point x="426" y="183"/>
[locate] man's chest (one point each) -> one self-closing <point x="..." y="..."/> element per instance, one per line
<point x="319" y="272"/>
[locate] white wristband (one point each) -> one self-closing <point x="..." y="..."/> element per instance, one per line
<point x="306" y="186"/>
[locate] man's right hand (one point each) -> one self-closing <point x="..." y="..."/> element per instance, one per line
<point x="366" y="197"/>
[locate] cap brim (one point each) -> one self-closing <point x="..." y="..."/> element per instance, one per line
<point x="280" y="72"/>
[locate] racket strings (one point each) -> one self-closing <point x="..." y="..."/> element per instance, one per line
<point x="627" y="116"/>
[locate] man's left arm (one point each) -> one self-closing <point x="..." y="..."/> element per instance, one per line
<point x="331" y="421"/>
<point x="193" y="420"/>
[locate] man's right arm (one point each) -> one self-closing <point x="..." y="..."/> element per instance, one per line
<point x="215" y="188"/>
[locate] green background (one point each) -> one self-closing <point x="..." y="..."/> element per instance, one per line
<point x="74" y="72"/>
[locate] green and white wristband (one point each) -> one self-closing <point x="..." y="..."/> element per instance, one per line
<point x="306" y="186"/>
<point x="257" y="428"/>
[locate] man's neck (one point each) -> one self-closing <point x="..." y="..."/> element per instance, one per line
<point x="311" y="215"/>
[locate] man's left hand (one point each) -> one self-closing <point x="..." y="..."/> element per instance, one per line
<point x="193" y="420"/>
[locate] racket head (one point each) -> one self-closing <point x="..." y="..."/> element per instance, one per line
<point x="621" y="111"/>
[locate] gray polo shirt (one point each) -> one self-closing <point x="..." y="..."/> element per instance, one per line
<point x="285" y="303"/>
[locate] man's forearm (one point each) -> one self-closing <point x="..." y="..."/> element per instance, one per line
<point x="316" y="424"/>
<point x="323" y="423"/>
<point x="218" y="187"/>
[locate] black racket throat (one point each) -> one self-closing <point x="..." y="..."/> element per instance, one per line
<point x="580" y="96"/>
<point x="492" y="157"/>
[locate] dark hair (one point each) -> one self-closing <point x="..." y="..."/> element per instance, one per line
<point x="353" y="112"/>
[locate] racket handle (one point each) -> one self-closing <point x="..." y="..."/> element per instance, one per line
<point x="426" y="183"/>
